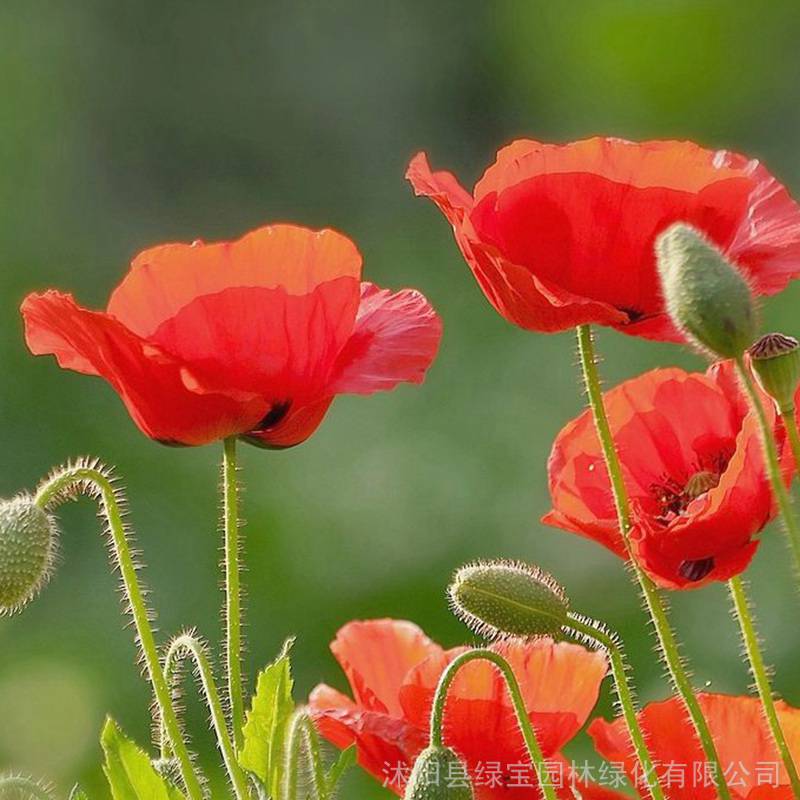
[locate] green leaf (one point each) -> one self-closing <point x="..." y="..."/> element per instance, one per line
<point x="129" y="771"/>
<point x="78" y="794"/>
<point x="346" y="759"/>
<point x="265" y="728"/>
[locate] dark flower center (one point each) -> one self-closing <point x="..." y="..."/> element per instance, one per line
<point x="673" y="497"/>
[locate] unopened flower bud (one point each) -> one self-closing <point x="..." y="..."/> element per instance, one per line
<point x="508" y="598"/>
<point x="708" y="299"/>
<point x="439" y="774"/>
<point x="28" y="545"/>
<point x="776" y="363"/>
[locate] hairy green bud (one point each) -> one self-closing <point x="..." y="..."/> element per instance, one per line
<point x="28" y="546"/>
<point x="776" y="363"/>
<point x="709" y="300"/>
<point x="439" y="774"/>
<point x="496" y="599"/>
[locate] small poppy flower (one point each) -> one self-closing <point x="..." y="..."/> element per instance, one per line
<point x="747" y="753"/>
<point x="692" y="463"/>
<point x="253" y="338"/>
<point x="562" y="235"/>
<point x="394" y="669"/>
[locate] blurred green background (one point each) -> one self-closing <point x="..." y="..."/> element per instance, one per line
<point x="130" y="123"/>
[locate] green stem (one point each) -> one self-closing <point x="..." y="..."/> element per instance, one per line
<point x="616" y="655"/>
<point x="20" y="783"/>
<point x="302" y="730"/>
<point x="761" y="678"/>
<point x="772" y="461"/>
<point x="233" y="591"/>
<point x="653" y="600"/>
<point x="188" y="644"/>
<point x="92" y="480"/>
<point x="528" y="733"/>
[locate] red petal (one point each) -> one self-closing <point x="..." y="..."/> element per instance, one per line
<point x="376" y="655"/>
<point x="297" y="260"/>
<point x="559" y="682"/>
<point x="395" y="339"/>
<point x="166" y="399"/>
<point x="442" y="187"/>
<point x="740" y="734"/>
<point x="292" y="429"/>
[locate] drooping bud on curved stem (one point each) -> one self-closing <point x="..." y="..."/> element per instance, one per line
<point x="189" y="645"/>
<point x="438" y="774"/>
<point x="24" y="788"/>
<point x="517" y="701"/>
<point x="498" y="599"/>
<point x="508" y="598"/>
<point x="89" y="477"/>
<point x="28" y="548"/>
<point x="708" y="299"/>
<point x="776" y="363"/>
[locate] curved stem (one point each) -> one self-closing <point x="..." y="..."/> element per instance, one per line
<point x="653" y="600"/>
<point x="23" y="784"/>
<point x="515" y="693"/>
<point x="302" y="730"/>
<point x="772" y="461"/>
<point x="616" y="655"/>
<point x="761" y="677"/>
<point x="790" y="423"/>
<point x="92" y="480"/>
<point x="233" y="591"/>
<point x="188" y="644"/>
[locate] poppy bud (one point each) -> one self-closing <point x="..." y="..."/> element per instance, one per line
<point x="508" y="598"/>
<point x="439" y="774"/>
<point x="776" y="363"/>
<point x="709" y="300"/>
<point x="28" y="543"/>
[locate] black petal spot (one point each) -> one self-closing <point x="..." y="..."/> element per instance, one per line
<point x="634" y="315"/>
<point x="694" y="571"/>
<point x="275" y="415"/>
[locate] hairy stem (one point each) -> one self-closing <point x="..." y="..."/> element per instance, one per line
<point x="187" y="644"/>
<point x="616" y="656"/>
<point x="302" y="731"/>
<point x="19" y="783"/>
<point x="790" y="423"/>
<point x="528" y="733"/>
<point x="233" y="591"/>
<point x="741" y="607"/>
<point x="773" y="462"/>
<point x="653" y="600"/>
<point x="91" y="480"/>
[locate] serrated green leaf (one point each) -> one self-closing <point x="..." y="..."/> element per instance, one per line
<point x="128" y="769"/>
<point x="265" y="728"/>
<point x="346" y="759"/>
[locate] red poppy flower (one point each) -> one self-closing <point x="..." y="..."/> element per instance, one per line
<point x="254" y="337"/>
<point x="562" y="235"/>
<point x="748" y="756"/>
<point x="393" y="670"/>
<point x="692" y="464"/>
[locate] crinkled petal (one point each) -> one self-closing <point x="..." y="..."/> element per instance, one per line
<point x="395" y="339"/>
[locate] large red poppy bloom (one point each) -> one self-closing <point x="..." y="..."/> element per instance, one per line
<point x="748" y="757"/>
<point x="393" y="670"/>
<point x="254" y="337"/>
<point x="562" y="235"/>
<point x="692" y="464"/>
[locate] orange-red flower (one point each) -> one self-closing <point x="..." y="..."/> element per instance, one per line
<point x="254" y="337"/>
<point x="748" y="756"/>
<point x="562" y="235"/>
<point x="393" y="670"/>
<point x="692" y="464"/>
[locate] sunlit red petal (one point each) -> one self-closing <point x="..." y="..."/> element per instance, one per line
<point x="165" y="397"/>
<point x="376" y="655"/>
<point x="395" y="339"/>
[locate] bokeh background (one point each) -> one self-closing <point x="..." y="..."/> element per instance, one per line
<point x="131" y="123"/>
